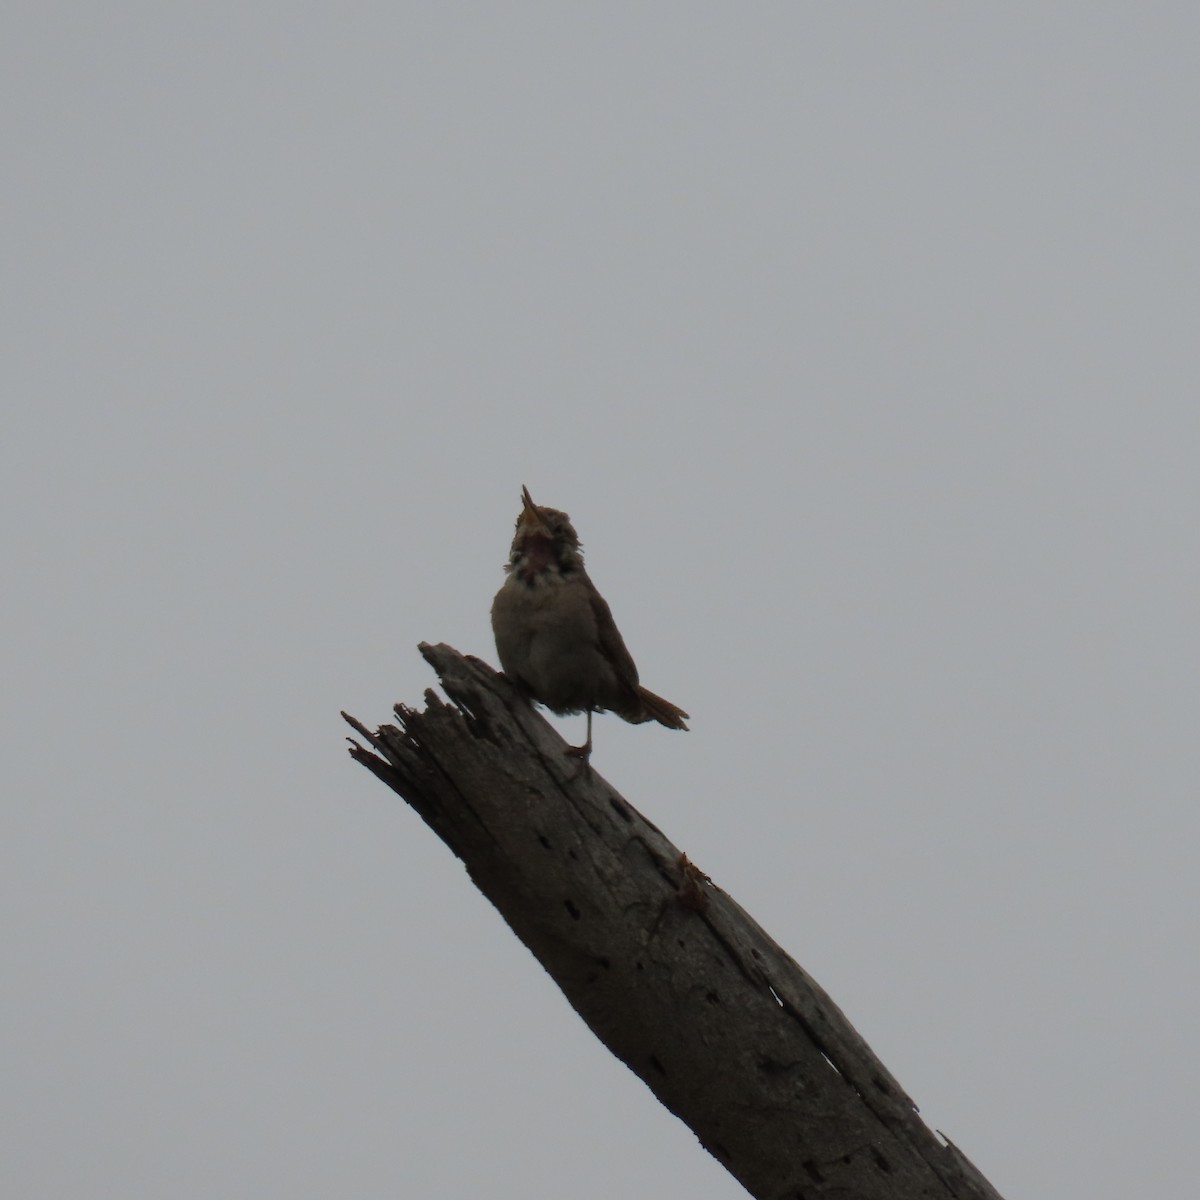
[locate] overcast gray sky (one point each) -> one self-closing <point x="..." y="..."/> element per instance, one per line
<point x="860" y="343"/>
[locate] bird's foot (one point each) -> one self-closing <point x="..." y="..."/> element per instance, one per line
<point x="583" y="755"/>
<point x="584" y="752"/>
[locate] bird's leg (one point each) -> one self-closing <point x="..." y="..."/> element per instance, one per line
<point x="583" y="752"/>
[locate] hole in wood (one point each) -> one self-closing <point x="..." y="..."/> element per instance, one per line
<point x="621" y="811"/>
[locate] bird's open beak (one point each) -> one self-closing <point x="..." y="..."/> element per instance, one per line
<point x="530" y="515"/>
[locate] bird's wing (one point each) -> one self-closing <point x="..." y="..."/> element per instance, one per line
<point x="609" y="640"/>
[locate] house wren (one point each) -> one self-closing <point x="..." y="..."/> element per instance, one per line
<point x="555" y="633"/>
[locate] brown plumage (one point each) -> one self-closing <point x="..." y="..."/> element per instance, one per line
<point x="555" y="633"/>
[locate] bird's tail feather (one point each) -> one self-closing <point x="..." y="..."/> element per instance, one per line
<point x="660" y="710"/>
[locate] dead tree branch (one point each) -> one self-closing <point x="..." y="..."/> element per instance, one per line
<point x="680" y="983"/>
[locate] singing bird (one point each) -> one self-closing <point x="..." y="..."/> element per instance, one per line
<point x="555" y="633"/>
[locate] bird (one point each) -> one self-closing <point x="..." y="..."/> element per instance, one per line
<point x="555" y="633"/>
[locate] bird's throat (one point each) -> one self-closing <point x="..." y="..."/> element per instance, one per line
<point x="538" y="556"/>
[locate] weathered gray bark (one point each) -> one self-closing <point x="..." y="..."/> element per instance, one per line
<point x="668" y="971"/>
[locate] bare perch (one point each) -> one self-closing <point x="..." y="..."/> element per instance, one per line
<point x="680" y="983"/>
